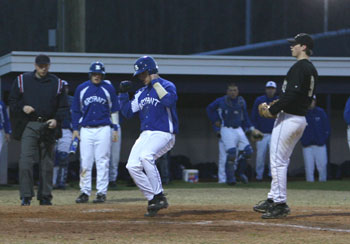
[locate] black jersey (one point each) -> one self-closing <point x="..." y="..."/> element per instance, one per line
<point x="297" y="89"/>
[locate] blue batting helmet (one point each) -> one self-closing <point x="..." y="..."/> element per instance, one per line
<point x="97" y="67"/>
<point x="145" y="63"/>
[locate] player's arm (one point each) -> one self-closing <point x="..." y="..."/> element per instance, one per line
<point x="347" y="112"/>
<point x="16" y="102"/>
<point x="167" y="94"/>
<point x="76" y="110"/>
<point x="247" y="123"/>
<point x="255" y="112"/>
<point x="326" y="124"/>
<point x="62" y="106"/>
<point x="127" y="107"/>
<point x="212" y="111"/>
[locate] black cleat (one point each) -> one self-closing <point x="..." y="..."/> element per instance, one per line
<point x="45" y="201"/>
<point x="100" y="198"/>
<point x="157" y="203"/>
<point x="83" y="198"/>
<point x="26" y="201"/>
<point x="277" y="211"/>
<point x="263" y="206"/>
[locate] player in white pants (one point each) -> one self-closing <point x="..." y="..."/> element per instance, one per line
<point x="5" y="132"/>
<point x="314" y="142"/>
<point x="156" y="105"/>
<point x="95" y="110"/>
<point x="290" y="109"/>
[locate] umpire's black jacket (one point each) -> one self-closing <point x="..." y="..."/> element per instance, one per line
<point x="45" y="95"/>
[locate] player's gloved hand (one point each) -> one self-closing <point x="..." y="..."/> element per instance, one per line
<point x="256" y="135"/>
<point x="125" y="86"/>
<point x="264" y="111"/>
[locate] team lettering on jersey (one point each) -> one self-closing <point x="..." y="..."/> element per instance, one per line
<point x="93" y="99"/>
<point x="148" y="100"/>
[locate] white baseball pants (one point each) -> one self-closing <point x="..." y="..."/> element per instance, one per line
<point x="141" y="163"/>
<point x="95" y="146"/>
<point x="234" y="138"/>
<point x="261" y="149"/>
<point x="115" y="157"/>
<point x="287" y="131"/>
<point x="315" y="155"/>
<point x="222" y="162"/>
<point x="64" y="142"/>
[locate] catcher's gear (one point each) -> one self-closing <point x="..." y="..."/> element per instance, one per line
<point x="264" y="111"/>
<point x="125" y="86"/>
<point x="255" y="135"/>
<point x="145" y="63"/>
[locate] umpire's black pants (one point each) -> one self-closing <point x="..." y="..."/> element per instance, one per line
<point x="33" y="149"/>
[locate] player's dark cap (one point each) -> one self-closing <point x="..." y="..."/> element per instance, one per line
<point x="42" y="59"/>
<point x="302" y="39"/>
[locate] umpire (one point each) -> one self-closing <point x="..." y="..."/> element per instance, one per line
<point x="37" y="105"/>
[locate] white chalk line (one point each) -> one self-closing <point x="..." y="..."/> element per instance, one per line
<point x="209" y="223"/>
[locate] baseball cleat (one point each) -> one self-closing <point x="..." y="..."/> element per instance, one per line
<point x="83" y="198"/>
<point x="100" y="198"/>
<point x="26" y="201"/>
<point x="277" y="211"/>
<point x="263" y="206"/>
<point x="45" y="201"/>
<point x="157" y="203"/>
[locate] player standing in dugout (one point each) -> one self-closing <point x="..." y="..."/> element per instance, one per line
<point x="290" y="110"/>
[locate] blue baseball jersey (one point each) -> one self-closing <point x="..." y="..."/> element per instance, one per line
<point x="318" y="129"/>
<point x="347" y="112"/>
<point x="230" y="112"/>
<point x="93" y="104"/>
<point x="263" y="124"/>
<point x="155" y="114"/>
<point x="4" y="119"/>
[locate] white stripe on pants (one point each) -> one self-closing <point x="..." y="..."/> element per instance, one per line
<point x="95" y="146"/>
<point x="115" y="157"/>
<point x="287" y="131"/>
<point x="261" y="149"/>
<point x="148" y="147"/>
<point x="315" y="155"/>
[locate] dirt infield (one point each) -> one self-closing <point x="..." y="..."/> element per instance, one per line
<point x="121" y="220"/>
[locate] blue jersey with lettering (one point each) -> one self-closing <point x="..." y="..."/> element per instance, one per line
<point x="230" y="112"/>
<point x="4" y="119"/>
<point x="155" y="114"/>
<point x="93" y="104"/>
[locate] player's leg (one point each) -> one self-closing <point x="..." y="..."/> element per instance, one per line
<point x="261" y="149"/>
<point x="222" y="162"/>
<point x="309" y="163"/>
<point x="230" y="138"/>
<point x="102" y="156"/>
<point x="245" y="152"/>
<point x="115" y="157"/>
<point x="321" y="162"/>
<point x="135" y="167"/>
<point x="287" y="131"/>
<point x="87" y="137"/>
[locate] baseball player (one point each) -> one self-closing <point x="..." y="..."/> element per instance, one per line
<point x="95" y="110"/>
<point x="265" y="126"/>
<point x="297" y="91"/>
<point x="229" y="113"/>
<point x="60" y="170"/>
<point x="347" y="119"/>
<point x="314" y="142"/>
<point x="156" y="105"/>
<point x="5" y="126"/>
<point x="222" y="157"/>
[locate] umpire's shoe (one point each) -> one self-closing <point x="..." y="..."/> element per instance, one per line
<point x="277" y="211"/>
<point x="263" y="206"/>
<point x="100" y="198"/>
<point x="83" y="198"/>
<point x="26" y="201"/>
<point x="158" y="202"/>
<point x="45" y="201"/>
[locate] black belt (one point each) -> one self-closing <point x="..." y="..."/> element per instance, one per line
<point x="38" y="119"/>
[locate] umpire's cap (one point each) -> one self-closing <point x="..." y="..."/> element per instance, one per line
<point x="42" y="59"/>
<point x="302" y="39"/>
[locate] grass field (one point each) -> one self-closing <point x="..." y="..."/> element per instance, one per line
<point x="198" y="213"/>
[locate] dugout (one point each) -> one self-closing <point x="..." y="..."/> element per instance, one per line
<point x="199" y="80"/>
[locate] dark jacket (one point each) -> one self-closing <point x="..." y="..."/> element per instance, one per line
<point x="45" y="95"/>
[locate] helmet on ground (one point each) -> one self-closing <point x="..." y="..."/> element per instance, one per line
<point x="97" y="67"/>
<point x="145" y="63"/>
